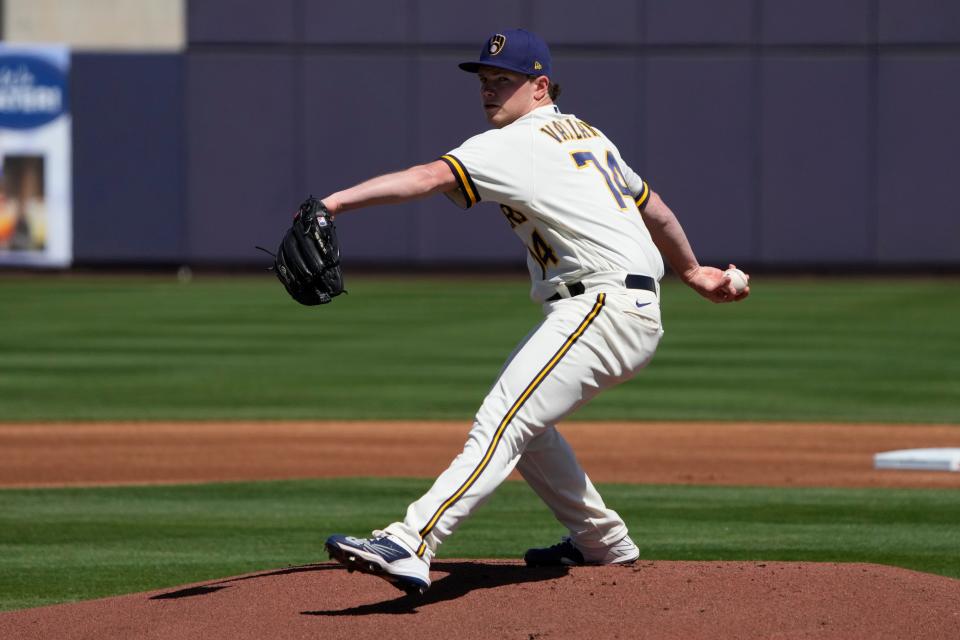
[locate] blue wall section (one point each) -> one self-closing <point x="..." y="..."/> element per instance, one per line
<point x="610" y="22"/>
<point x="816" y="161"/>
<point x="700" y="139"/>
<point x="353" y="129"/>
<point x="817" y="22"/>
<point x="247" y="21"/>
<point x="698" y="22"/>
<point x="912" y="21"/>
<point x="244" y="152"/>
<point x="470" y="23"/>
<point x="783" y="132"/>
<point x="358" y="22"/>
<point x="919" y="152"/>
<point x="128" y="150"/>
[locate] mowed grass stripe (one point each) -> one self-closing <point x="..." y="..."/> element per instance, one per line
<point x="59" y="545"/>
<point x="125" y="348"/>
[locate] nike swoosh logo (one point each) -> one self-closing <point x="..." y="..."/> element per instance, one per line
<point x="641" y="306"/>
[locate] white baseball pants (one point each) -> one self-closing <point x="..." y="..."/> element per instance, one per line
<point x="584" y="345"/>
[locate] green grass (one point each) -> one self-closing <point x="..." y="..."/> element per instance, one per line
<point x="104" y="348"/>
<point x="60" y="545"/>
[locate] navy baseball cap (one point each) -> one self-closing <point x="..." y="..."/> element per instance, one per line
<point x="515" y="50"/>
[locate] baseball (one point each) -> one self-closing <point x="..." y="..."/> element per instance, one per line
<point x="737" y="278"/>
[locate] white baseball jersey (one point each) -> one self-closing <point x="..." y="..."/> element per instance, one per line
<point x="567" y="194"/>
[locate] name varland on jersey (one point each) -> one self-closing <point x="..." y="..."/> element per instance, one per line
<point x="566" y="129"/>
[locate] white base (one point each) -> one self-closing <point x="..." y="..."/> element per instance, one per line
<point x="944" y="459"/>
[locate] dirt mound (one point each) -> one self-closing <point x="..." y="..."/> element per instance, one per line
<point x="499" y="599"/>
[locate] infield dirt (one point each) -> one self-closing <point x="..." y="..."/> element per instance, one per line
<point x="772" y="454"/>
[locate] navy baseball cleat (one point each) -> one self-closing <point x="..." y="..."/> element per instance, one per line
<point x="385" y="556"/>
<point x="566" y="554"/>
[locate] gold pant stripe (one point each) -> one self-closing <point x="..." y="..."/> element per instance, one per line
<point x="544" y="372"/>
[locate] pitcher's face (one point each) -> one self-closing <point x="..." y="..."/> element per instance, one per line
<point x="506" y="95"/>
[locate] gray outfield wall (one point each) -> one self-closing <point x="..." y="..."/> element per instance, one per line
<point x="784" y="133"/>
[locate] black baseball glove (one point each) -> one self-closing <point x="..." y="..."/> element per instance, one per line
<point x="308" y="259"/>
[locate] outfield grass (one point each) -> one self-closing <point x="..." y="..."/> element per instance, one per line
<point x="103" y="348"/>
<point x="60" y="545"/>
<point x="108" y="348"/>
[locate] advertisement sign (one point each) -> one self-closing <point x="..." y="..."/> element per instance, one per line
<point x="35" y="174"/>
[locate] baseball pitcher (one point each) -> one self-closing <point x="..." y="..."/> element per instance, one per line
<point x="594" y="233"/>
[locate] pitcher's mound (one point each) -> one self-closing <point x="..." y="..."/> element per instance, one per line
<point x="499" y="599"/>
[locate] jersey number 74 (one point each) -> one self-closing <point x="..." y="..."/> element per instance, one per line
<point x="612" y="175"/>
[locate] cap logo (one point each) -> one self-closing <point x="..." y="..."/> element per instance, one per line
<point x="537" y="65"/>
<point x="496" y="44"/>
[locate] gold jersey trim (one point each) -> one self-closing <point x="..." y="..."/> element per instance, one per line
<point x="469" y="190"/>
<point x="643" y="197"/>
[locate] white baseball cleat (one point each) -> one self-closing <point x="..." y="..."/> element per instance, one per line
<point x="385" y="556"/>
<point x="567" y="554"/>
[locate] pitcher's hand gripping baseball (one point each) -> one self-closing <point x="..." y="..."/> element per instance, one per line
<point x="307" y="261"/>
